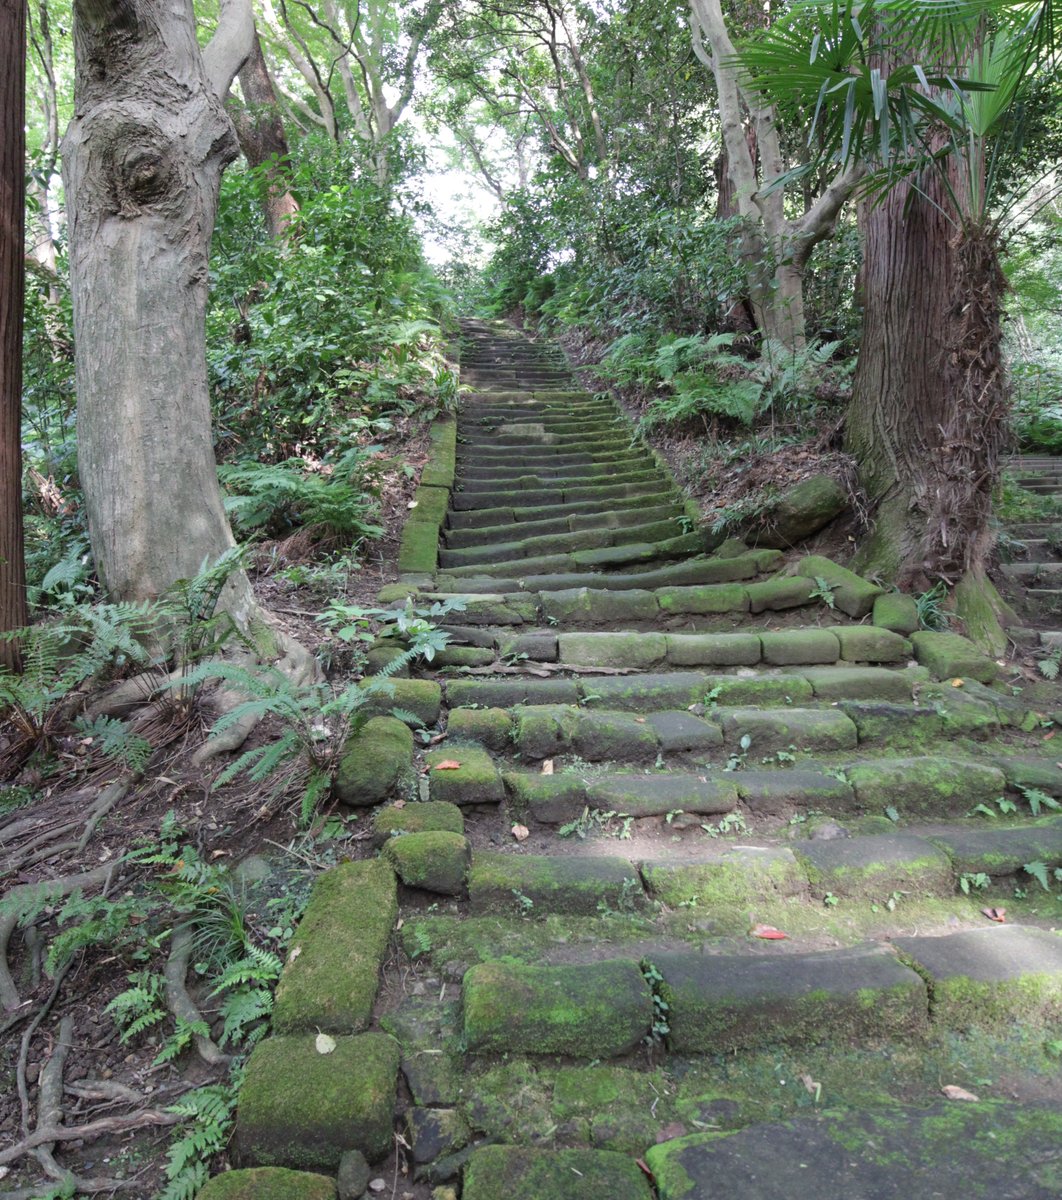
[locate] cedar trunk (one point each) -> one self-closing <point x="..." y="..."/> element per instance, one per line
<point x="142" y="163"/>
<point x="13" y="614"/>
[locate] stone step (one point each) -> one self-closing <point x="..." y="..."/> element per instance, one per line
<point x="585" y="466"/>
<point x="470" y="408"/>
<point x="520" y="480"/>
<point x="458" y="538"/>
<point x="521" y="514"/>
<point x="555" y="420"/>
<point x="1039" y="574"/>
<point x="599" y="559"/>
<point x="604" y="495"/>
<point x="560" y="543"/>
<point x="546" y="457"/>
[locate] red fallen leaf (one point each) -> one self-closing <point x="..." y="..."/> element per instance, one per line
<point x="675" y="1129"/>
<point x="1049" y="736"/>
<point x="768" y="933"/>
<point x="995" y="914"/>
<point x="448" y="764"/>
<point x="643" y="1166"/>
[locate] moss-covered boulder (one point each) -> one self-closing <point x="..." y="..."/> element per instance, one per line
<point x="851" y="593"/>
<point x="427" y="816"/>
<point x="896" y="612"/>
<point x="268" y="1183"/>
<point x="473" y="780"/>
<point x="302" y="1108"/>
<point x="931" y="786"/>
<point x="376" y="763"/>
<point x="799" y="512"/>
<point x="332" y="973"/>
<point x="950" y="655"/>
<point x="597" y="1010"/>
<point x="514" y="1173"/>
<point x="433" y="1132"/>
<point x="436" y="861"/>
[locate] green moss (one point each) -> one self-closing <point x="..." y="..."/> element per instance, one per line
<point x="436" y="861"/>
<point x="491" y="727"/>
<point x="866" y="643"/>
<point x="599" y="605"/>
<point x="738" y="878"/>
<point x="438" y="471"/>
<point x="611" y="649"/>
<point x="421" y="697"/>
<point x="552" y="799"/>
<point x="376" y="763"/>
<point x="598" y="1010"/>
<point x="896" y="612"/>
<point x="533" y="884"/>
<point x="950" y="655"/>
<point x="712" y="649"/>
<point x="797" y="647"/>
<point x="332" y="972"/>
<point x="268" y="1183"/>
<point x="931" y="785"/>
<point x="300" y="1108"/>
<point x="710" y="598"/>
<point x="775" y="595"/>
<point x="505" y="1172"/>
<point x="417" y="817"/>
<point x="963" y="1003"/>
<point x="419" y="549"/>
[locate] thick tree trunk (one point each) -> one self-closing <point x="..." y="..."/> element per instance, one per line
<point x="260" y="129"/>
<point x="142" y="163"/>
<point x="13" y="613"/>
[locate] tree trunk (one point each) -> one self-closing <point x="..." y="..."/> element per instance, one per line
<point x="260" y="130"/>
<point x="13" y="614"/>
<point x="142" y="163"/>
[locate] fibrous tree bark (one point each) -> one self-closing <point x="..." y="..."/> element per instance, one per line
<point x="142" y="164"/>
<point x="12" y="280"/>
<point x="260" y="130"/>
<point x="774" y="249"/>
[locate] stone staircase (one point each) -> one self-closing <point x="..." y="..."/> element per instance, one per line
<point x="1037" y="566"/>
<point x="682" y="896"/>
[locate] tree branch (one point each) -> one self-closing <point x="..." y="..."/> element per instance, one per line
<point x="229" y="48"/>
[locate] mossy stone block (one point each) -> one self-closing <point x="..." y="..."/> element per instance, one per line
<point x="376" y="763"/>
<point x="799" y="512"/>
<point x="860" y="683"/>
<point x="777" y="792"/>
<point x="657" y="795"/>
<point x="598" y="605"/>
<point x="506" y="609"/>
<point x="682" y="733"/>
<point x="332" y="973"/>
<point x="300" y="1108"/>
<point x="600" y="736"/>
<point x="611" y="649"/>
<point x="491" y="727"/>
<point x="797" y="647"/>
<point x="712" y="649"/>
<point x="896" y="612"/>
<point x="721" y="1003"/>
<point x="542" y="730"/>
<point x="1002" y="851"/>
<point x="435" y="861"/>
<point x="950" y="655"/>
<point x="966" y="716"/>
<point x="766" y="690"/>
<point x="706" y="599"/>
<point x="930" y="786"/>
<point x="380" y="656"/>
<point x="731" y="547"/>
<point x="776" y="595"/>
<point x="538" y="647"/>
<point x="900" y="726"/>
<point x="439" y="469"/>
<point x="735" y="878"/>
<point x="396" y="594"/>
<point x="551" y="799"/>
<point x="867" y="643"/>
<point x="431" y="504"/>
<point x="421" y="697"/>
<point x="538" y="884"/>
<point x="435" y="1132"/>
<point x="475" y="780"/>
<point x="268" y="1183"/>
<point x="418" y="551"/>
<point x="507" y="693"/>
<point x="420" y="816"/>
<point x="875" y="867"/>
<point x="991" y="978"/>
<point x="463" y="656"/>
<point x="785" y="728"/>
<point x="852" y="594"/>
<point x="596" y="1010"/>
<point x="1044" y="775"/>
<point x="644" y="693"/>
<point x="515" y="1173"/>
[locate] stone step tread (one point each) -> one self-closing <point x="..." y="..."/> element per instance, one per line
<point x="522" y="514"/>
<point x="600" y="559"/>
<point x="559" y="543"/>
<point x="570" y="524"/>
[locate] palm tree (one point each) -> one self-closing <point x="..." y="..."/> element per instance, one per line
<point x="927" y="94"/>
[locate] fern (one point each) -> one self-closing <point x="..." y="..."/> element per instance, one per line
<point x="209" y="1111"/>
<point x="1039" y="872"/>
<point x="114" y="740"/>
<point x="140" y="1006"/>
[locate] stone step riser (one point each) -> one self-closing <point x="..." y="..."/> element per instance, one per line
<point x="520" y="515"/>
<point x="585" y="539"/>
<point x="561" y="474"/>
<point x="458" y="538"/>
<point x="529" y="481"/>
<point x="560" y="498"/>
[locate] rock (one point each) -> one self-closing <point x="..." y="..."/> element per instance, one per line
<point x="928" y="785"/>
<point x="875" y="867"/>
<point x="490" y="727"/>
<point x="475" y="780"/>
<point x="532" y="882"/>
<point x="851" y="593"/>
<point x="896" y="612"/>
<point x="950" y="655"/>
<point x="353" y="1176"/>
<point x="797" y="514"/>
<point x="434" y="1132"/>
<point x="376" y="763"/>
<point x="797" y="647"/>
<point x="269" y="1183"/>
<point x="436" y="861"/>
<point x="422" y="816"/>
<point x="515" y="1173"/>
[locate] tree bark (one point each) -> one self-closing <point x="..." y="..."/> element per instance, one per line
<point x="13" y="614"/>
<point x="260" y="130"/>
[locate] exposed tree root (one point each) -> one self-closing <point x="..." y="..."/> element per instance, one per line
<point x="43" y="1135"/>
<point x="178" y="1000"/>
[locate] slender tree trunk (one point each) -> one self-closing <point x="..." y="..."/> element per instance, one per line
<point x="260" y="130"/>
<point x="13" y="614"/>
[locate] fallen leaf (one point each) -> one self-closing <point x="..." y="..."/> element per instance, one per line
<point x="547" y="766"/>
<point x="768" y="933"/>
<point x="295" y="952"/>
<point x="399" y="803"/>
<point x="643" y="1166"/>
<point x="956" y="683"/>
<point x="521" y="833"/>
<point x="324" y="1044"/>
<point x="448" y="764"/>
<point x="639" y="720"/>
<point x="1048" y="736"/>
<point x="998" y="915"/>
<point x="412" y="504"/>
<point x="957" y="1093"/>
<point x="674" y="1129"/>
<point x="812" y="1087"/>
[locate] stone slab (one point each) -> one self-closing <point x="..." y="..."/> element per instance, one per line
<point x="537" y="884"/>
<point x="515" y="1173"/>
<point x="657" y="795"/>
<point x="875" y="867"/>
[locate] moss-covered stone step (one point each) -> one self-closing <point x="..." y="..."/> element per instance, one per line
<point x="421" y="816"/>
<point x="876" y="867"/>
<point x="1002" y="852"/>
<point x="990" y="978"/>
<point x="518" y="1173"/>
<point x="495" y="534"/>
<point x="593" y="1010"/>
<point x="376" y="763"/>
<point x="734" y="877"/>
<point x="520" y="478"/>
<point x="982" y="1151"/>
<point x="851" y="593"/>
<point x="925" y="786"/>
<point x="625" y="554"/>
<point x="301" y="1108"/>
<point x="560" y="543"/>
<point x="269" y="1183"/>
<point x="678" y="690"/>
<point x="332" y="972"/>
<point x="726" y="1003"/>
<point x="433" y="861"/>
<point x="583" y="467"/>
<point x="518" y="514"/>
<point x="532" y="884"/>
<point x="542" y="456"/>
<point x="463" y="774"/>
<point x="949" y="655"/>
